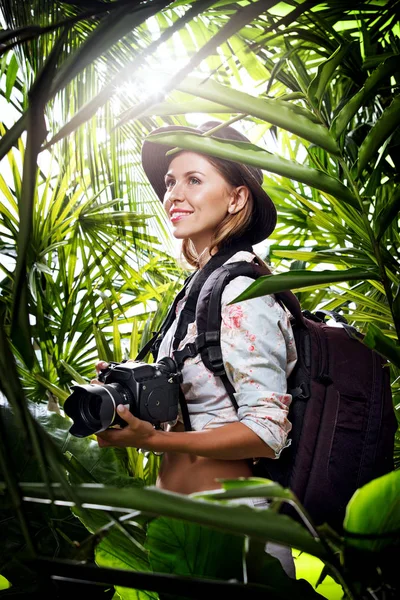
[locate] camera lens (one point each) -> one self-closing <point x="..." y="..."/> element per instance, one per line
<point x="93" y="407"/>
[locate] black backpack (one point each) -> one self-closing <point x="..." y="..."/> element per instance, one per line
<point x="343" y="422"/>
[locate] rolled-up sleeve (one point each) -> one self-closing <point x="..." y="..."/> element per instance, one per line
<point x="259" y="353"/>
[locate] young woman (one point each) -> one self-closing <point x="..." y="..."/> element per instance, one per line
<point x="212" y="204"/>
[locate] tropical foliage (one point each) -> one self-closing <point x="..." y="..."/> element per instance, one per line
<point x="88" y="271"/>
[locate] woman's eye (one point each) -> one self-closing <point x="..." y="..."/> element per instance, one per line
<point x="169" y="183"/>
<point x="194" y="180"/>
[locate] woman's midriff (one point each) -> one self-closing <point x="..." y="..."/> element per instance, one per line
<point x="186" y="474"/>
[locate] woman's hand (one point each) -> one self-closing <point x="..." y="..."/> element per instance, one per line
<point x="137" y="434"/>
<point x="100" y="366"/>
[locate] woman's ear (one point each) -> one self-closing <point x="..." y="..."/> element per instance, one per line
<point x="238" y="199"/>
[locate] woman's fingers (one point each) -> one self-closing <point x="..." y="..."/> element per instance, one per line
<point x="103" y="443"/>
<point x="136" y="434"/>
<point x="101" y="365"/>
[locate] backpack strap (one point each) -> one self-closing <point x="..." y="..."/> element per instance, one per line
<point x="209" y="317"/>
<point x="188" y="313"/>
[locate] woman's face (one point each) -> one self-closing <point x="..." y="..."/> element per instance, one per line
<point x="197" y="198"/>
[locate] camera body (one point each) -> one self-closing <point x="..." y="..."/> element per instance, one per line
<point x="150" y="391"/>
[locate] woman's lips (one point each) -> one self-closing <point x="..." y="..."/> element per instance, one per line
<point x="179" y="215"/>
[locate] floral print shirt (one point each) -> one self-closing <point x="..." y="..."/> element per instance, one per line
<point x="259" y="353"/>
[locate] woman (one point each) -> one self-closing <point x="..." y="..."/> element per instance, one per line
<point x="213" y="204"/>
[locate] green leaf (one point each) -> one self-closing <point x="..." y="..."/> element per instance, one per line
<point x="380" y="342"/>
<point x="197" y="105"/>
<point x="238" y="520"/>
<point x="103" y="348"/>
<point x="265" y="569"/>
<point x="117" y="341"/>
<point x="278" y="113"/>
<point x="12" y="71"/>
<point x="10" y="139"/>
<point x="74" y="374"/>
<point x="366" y="527"/>
<point x="271" y="284"/>
<point x="383" y="128"/>
<point x="388" y="214"/>
<point x="387" y="68"/>
<point x="252" y="487"/>
<point x="54" y="389"/>
<point x="257" y="157"/>
<point x="182" y="548"/>
<point x="324" y="74"/>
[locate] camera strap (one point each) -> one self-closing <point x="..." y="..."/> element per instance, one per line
<point x="169" y="319"/>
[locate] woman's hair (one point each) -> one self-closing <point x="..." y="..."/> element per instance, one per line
<point x="233" y="225"/>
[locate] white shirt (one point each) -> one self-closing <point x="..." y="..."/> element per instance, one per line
<point x="259" y="353"/>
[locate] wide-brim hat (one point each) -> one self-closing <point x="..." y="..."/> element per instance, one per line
<point x="155" y="164"/>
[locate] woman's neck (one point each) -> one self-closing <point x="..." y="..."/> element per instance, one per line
<point x="205" y="256"/>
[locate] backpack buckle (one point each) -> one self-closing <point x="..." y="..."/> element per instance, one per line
<point x="207" y="339"/>
<point x="189" y="351"/>
<point x="212" y="359"/>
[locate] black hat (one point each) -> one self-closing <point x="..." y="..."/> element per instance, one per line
<point x="155" y="164"/>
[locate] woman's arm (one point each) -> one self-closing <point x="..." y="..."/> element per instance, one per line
<point x="229" y="442"/>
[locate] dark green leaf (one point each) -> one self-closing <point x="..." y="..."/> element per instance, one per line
<point x="384" y="345"/>
<point x="383" y="128"/>
<point x="389" y="213"/>
<point x="325" y="73"/>
<point x="238" y="520"/>
<point x="387" y="68"/>
<point x="182" y="548"/>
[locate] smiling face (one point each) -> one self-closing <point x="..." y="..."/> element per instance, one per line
<point x="197" y="198"/>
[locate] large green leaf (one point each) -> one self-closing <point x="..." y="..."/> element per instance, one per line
<point x="257" y="157"/>
<point x="239" y="520"/>
<point x="281" y="114"/>
<point x="368" y="528"/>
<point x="20" y="327"/>
<point x="324" y="74"/>
<point x="271" y="284"/>
<point x="183" y="548"/>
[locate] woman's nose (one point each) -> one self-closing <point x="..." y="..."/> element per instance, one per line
<point x="175" y="194"/>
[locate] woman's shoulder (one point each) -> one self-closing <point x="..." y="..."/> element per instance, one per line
<point x="240" y="283"/>
<point x="242" y="255"/>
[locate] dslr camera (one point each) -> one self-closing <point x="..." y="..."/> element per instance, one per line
<point x="150" y="391"/>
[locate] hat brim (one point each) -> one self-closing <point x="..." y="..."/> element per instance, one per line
<point x="156" y="163"/>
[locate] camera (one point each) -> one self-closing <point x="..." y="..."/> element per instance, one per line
<point x="150" y="391"/>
